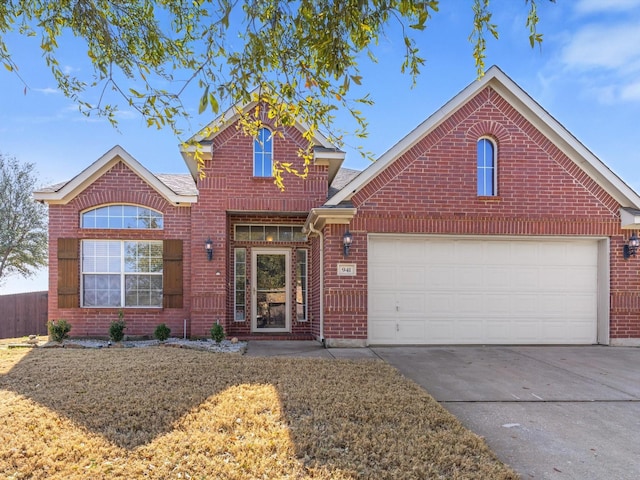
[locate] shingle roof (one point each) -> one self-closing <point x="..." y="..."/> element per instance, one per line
<point x="180" y="183"/>
<point x="53" y="188"/>
<point x="343" y="177"/>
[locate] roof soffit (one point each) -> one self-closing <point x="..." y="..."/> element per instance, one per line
<point x="319" y="217"/>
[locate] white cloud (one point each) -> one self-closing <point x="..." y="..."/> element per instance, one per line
<point x="599" y="6"/>
<point x="127" y="114"/>
<point x="47" y="90"/>
<point x="631" y="92"/>
<point x="68" y="69"/>
<point x="607" y="56"/>
<point x="603" y="94"/>
<point x="611" y="46"/>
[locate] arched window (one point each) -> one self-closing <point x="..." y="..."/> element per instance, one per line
<point x="122" y="217"/>
<point x="263" y="154"/>
<point x="487" y="168"/>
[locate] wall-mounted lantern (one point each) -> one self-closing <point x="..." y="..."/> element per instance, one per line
<point x="347" y="240"/>
<point x="631" y="247"/>
<point x="208" y="246"/>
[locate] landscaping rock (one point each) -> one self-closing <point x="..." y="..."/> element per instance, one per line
<point x="226" y="346"/>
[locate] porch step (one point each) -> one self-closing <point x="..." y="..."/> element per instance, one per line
<point x="273" y="336"/>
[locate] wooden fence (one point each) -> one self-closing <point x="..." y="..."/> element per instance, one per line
<point x="23" y="314"/>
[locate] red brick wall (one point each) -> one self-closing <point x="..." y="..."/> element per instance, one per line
<point x="229" y="186"/>
<point x="432" y="189"/>
<point x="314" y="287"/>
<point x="118" y="185"/>
<point x="345" y="297"/>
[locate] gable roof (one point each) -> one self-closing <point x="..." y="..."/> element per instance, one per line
<point x="527" y="107"/>
<point x="325" y="152"/>
<point x="173" y="188"/>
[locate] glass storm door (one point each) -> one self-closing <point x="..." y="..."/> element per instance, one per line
<point x="270" y="290"/>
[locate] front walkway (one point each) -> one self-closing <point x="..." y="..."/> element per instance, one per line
<point x="310" y="348"/>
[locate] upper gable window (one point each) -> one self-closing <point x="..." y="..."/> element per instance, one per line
<point x="263" y="154"/>
<point x="122" y="216"/>
<point x="486" y="168"/>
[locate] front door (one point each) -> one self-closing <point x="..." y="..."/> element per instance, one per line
<point x="270" y="290"/>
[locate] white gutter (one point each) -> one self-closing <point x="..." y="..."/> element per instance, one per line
<point x="321" y="236"/>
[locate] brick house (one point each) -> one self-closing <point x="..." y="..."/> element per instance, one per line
<point x="487" y="224"/>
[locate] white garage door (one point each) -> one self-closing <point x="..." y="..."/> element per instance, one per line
<point x="437" y="290"/>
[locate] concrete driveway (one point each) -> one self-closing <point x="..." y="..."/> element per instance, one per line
<point x="548" y="412"/>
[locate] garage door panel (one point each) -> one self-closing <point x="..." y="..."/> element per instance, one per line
<point x="496" y="252"/>
<point x="382" y="277"/>
<point x="413" y="250"/>
<point x="438" y="253"/>
<point x="578" y="253"/>
<point x="498" y="304"/>
<point x="384" y="303"/>
<point x="580" y="305"/>
<point x="482" y="291"/>
<point x="551" y="304"/>
<point x="469" y="304"/>
<point x="498" y="330"/>
<point x="469" y="276"/>
<point x="439" y="277"/>
<point x="385" y="331"/>
<point x="525" y="254"/>
<point x="412" y="278"/>
<point x="410" y="304"/>
<point x="582" y="279"/>
<point x="471" y="330"/>
<point x="382" y="251"/>
<point x="553" y="277"/>
<point x="409" y="331"/>
<point x="526" y="278"/>
<point x="440" y="331"/>
<point x="498" y="278"/>
<point x="439" y="303"/>
<point x="524" y="304"/>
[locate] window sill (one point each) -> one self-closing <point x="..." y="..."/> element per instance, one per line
<point x="117" y="309"/>
<point x="489" y="198"/>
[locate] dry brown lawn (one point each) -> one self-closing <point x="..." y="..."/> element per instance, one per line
<point x="23" y="340"/>
<point x="168" y="413"/>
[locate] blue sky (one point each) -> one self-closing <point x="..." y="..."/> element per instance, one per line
<point x="586" y="74"/>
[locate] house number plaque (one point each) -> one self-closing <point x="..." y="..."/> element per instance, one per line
<point x="346" y="269"/>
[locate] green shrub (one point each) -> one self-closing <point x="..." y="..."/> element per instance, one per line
<point x="116" y="330"/>
<point x="162" y="332"/>
<point x="59" y="330"/>
<point x="217" y="333"/>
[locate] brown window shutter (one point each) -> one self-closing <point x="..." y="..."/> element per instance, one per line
<point x="172" y="274"/>
<point x="68" y="273"/>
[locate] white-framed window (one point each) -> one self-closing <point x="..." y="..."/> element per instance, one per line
<point x="122" y="217"/>
<point x="269" y="233"/>
<point x="302" y="278"/>
<point x="240" y="289"/>
<point x="263" y="154"/>
<point x="487" y="171"/>
<point x="119" y="273"/>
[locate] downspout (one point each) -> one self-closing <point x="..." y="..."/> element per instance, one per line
<point x="321" y="236"/>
